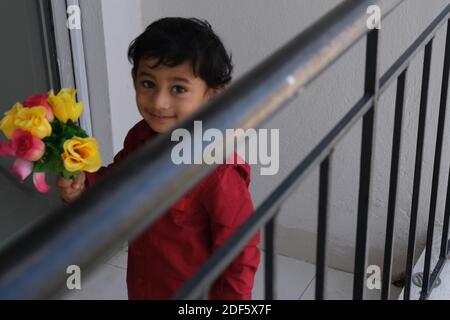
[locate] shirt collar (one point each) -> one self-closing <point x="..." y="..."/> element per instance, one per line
<point x="144" y="132"/>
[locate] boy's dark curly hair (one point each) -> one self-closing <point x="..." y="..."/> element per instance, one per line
<point x="175" y="40"/>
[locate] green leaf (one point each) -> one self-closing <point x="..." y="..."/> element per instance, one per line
<point x="52" y="161"/>
<point x="70" y="175"/>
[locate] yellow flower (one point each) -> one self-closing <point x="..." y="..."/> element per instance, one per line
<point x="64" y="105"/>
<point x="81" y="154"/>
<point x="7" y="123"/>
<point x="32" y="120"/>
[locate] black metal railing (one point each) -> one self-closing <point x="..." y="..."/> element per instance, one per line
<point x="127" y="201"/>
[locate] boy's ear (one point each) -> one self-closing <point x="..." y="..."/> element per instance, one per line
<point x="219" y="90"/>
<point x="213" y="92"/>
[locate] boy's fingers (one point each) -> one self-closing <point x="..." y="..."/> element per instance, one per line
<point x="78" y="185"/>
<point x="67" y="192"/>
<point x="64" y="188"/>
<point x="79" y="181"/>
<point x="81" y="177"/>
<point x="63" y="183"/>
<point x="70" y="189"/>
<point x="71" y="194"/>
<point x="67" y="198"/>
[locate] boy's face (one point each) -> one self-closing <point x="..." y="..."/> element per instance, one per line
<point x="165" y="95"/>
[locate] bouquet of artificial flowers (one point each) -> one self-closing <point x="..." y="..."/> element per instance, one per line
<point x="44" y="137"/>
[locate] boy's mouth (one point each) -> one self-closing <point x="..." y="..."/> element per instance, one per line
<point x="161" y="117"/>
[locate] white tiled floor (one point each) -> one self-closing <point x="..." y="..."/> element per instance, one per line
<point x="292" y="278"/>
<point x="339" y="286"/>
<point x="440" y="292"/>
<point x="295" y="280"/>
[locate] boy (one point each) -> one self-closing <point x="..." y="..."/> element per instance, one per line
<point x="178" y="65"/>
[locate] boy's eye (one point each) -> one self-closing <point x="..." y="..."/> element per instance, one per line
<point x="147" y="84"/>
<point x="150" y="84"/>
<point x="180" y="89"/>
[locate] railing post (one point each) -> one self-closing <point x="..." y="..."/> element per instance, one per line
<point x="418" y="169"/>
<point x="393" y="185"/>
<point x="367" y="142"/>
<point x="443" y="254"/>
<point x="322" y="227"/>
<point x="269" y="259"/>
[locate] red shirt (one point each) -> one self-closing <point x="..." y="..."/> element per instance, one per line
<point x="173" y="248"/>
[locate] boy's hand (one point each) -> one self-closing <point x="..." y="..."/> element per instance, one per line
<point x="70" y="189"/>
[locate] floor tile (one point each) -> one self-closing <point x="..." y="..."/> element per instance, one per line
<point x="339" y="286"/>
<point x="293" y="277"/>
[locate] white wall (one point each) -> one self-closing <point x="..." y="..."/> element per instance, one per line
<point x="122" y="23"/>
<point x="252" y="29"/>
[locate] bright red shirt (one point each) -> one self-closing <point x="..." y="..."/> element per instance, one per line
<point x="172" y="249"/>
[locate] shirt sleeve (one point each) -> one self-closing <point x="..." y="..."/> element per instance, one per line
<point x="92" y="178"/>
<point x="229" y="204"/>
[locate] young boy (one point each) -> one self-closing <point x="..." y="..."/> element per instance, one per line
<point x="178" y="65"/>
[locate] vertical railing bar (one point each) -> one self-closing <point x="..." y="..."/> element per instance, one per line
<point x="417" y="172"/>
<point x="322" y="227"/>
<point x="444" y="95"/>
<point x="434" y="275"/>
<point x="432" y="213"/>
<point x="269" y="259"/>
<point x="367" y="143"/>
<point x="444" y="241"/>
<point x="393" y="185"/>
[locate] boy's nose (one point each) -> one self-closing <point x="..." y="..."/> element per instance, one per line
<point x="161" y="101"/>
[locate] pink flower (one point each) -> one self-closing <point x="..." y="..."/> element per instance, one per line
<point x="23" y="169"/>
<point x="39" y="182"/>
<point x="27" y="146"/>
<point x="40" y="100"/>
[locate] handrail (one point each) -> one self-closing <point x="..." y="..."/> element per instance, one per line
<point x="128" y="200"/>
